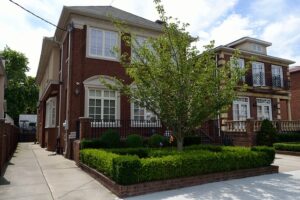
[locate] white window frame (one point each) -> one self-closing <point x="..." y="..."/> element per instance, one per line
<point x="262" y="65"/>
<point x="145" y="123"/>
<point x="135" y="41"/>
<point x="257" y="48"/>
<point x="241" y="101"/>
<point x="94" y="83"/>
<point x="103" y="56"/>
<point x="50" y="119"/>
<point x="280" y="74"/>
<point x="241" y="64"/>
<point x="263" y="102"/>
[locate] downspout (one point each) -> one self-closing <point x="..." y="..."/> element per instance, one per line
<point x="70" y="29"/>
<point x="60" y="92"/>
<point x="218" y="116"/>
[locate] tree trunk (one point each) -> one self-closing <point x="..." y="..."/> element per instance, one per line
<point x="179" y="143"/>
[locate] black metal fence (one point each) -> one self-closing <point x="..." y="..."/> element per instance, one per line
<point x="144" y="128"/>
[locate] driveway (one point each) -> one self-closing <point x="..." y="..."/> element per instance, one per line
<point x="34" y="173"/>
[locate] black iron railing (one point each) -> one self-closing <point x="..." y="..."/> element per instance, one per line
<point x="144" y="128"/>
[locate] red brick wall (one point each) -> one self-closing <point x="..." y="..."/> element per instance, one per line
<point x="295" y="98"/>
<point x="284" y="110"/>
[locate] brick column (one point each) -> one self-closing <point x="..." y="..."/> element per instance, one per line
<point x="85" y="127"/>
<point x="250" y="132"/>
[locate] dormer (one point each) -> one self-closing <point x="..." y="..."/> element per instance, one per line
<point x="250" y="44"/>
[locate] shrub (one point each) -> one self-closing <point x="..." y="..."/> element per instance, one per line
<point x="94" y="143"/>
<point x="129" y="169"/>
<point x="156" y="140"/>
<point x="134" y="140"/>
<point x="140" y="152"/>
<point x="288" y="137"/>
<point x="110" y="139"/>
<point x="207" y="147"/>
<point x="287" y="146"/>
<point x="98" y="159"/>
<point x="126" y="169"/>
<point x="267" y="134"/>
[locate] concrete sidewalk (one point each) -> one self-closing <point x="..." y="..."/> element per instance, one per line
<point x="34" y="173"/>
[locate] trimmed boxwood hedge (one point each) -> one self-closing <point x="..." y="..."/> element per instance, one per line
<point x="287" y="146"/>
<point x="127" y="168"/>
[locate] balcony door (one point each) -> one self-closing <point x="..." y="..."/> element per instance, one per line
<point x="264" y="109"/>
<point x="241" y="109"/>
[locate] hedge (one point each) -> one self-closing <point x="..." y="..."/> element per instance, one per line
<point x="130" y="169"/>
<point x="287" y="146"/>
<point x="288" y="137"/>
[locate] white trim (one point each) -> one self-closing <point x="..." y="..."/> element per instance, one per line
<point x="239" y="103"/>
<point x="139" y="123"/>
<point x="50" y="117"/>
<point x="94" y="83"/>
<point x="103" y="57"/>
<point x="281" y="74"/>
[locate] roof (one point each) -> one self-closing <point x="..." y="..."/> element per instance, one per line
<point x="244" y="52"/>
<point x="294" y="69"/>
<point x="48" y="43"/>
<point x="248" y="39"/>
<point x="104" y="13"/>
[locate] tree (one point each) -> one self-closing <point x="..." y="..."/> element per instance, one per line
<point x="21" y="92"/>
<point x="182" y="86"/>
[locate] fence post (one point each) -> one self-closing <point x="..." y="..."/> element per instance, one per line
<point x="250" y="131"/>
<point x="85" y="127"/>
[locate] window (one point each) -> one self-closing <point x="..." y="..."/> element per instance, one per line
<point x="50" y="113"/>
<point x="102" y="43"/>
<point x="102" y="104"/>
<point x="277" y="76"/>
<point x="141" y="117"/>
<point x="258" y="74"/>
<point x="137" y="42"/>
<point x="257" y="48"/>
<point x="264" y="109"/>
<point x="240" y="109"/>
<point x="239" y="63"/>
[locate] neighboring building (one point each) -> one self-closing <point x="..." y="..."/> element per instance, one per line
<point x="268" y="95"/>
<point x="3" y="82"/>
<point x="27" y="121"/>
<point x="70" y="66"/>
<point x="72" y="61"/>
<point x="295" y="90"/>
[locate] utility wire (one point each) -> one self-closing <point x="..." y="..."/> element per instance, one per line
<point x="37" y="16"/>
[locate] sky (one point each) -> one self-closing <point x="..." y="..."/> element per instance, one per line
<point x="276" y="21"/>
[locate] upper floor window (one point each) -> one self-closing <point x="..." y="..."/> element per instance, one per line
<point x="51" y="113"/>
<point x="277" y="76"/>
<point x="257" y="48"/>
<point x="239" y="63"/>
<point x="102" y="43"/>
<point x="258" y="74"/>
<point x="137" y="42"/>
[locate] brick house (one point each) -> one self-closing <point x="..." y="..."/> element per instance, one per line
<point x="295" y="90"/>
<point x="80" y="52"/>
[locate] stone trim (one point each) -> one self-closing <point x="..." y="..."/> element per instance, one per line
<point x="155" y="186"/>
